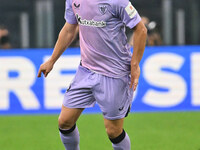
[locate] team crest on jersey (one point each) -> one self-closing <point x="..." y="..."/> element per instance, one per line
<point x="102" y="9"/>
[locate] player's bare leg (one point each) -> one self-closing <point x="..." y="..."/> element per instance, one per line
<point x="67" y="125"/>
<point x="119" y="138"/>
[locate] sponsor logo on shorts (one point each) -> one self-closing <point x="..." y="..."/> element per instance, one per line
<point x="121" y="108"/>
<point x="104" y="113"/>
<point x="92" y="22"/>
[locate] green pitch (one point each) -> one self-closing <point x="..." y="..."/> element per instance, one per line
<point x="148" y="131"/>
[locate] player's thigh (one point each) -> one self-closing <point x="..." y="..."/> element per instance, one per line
<point x="114" y="96"/>
<point x="68" y="117"/>
<point x="114" y="127"/>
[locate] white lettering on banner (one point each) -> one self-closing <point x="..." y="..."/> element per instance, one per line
<point x="173" y="82"/>
<point x="19" y="85"/>
<point x="195" y="78"/>
<point x="135" y="93"/>
<point x="55" y="82"/>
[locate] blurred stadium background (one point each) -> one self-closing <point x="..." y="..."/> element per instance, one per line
<point x="165" y="114"/>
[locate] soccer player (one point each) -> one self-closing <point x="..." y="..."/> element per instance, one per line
<point x="108" y="72"/>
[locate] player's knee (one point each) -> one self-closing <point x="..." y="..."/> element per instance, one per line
<point x="113" y="132"/>
<point x="64" y="123"/>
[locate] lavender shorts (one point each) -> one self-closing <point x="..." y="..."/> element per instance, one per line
<point x="113" y="95"/>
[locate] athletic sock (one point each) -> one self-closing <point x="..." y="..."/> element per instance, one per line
<point x="122" y="142"/>
<point x="70" y="138"/>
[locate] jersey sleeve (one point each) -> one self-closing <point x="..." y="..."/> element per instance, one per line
<point x="126" y="12"/>
<point x="69" y="14"/>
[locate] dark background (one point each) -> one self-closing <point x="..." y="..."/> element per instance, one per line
<point x="10" y="17"/>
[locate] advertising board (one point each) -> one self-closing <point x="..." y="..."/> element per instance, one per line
<point x="169" y="81"/>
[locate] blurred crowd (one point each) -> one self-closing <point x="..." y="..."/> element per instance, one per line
<point x="4" y="38"/>
<point x="153" y="38"/>
<point x="37" y="23"/>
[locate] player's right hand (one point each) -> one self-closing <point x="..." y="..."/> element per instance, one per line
<point x="45" y="68"/>
<point x="135" y="74"/>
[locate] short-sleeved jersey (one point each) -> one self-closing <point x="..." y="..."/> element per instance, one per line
<point x="103" y="42"/>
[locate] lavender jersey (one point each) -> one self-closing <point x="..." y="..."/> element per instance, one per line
<point x="103" y="43"/>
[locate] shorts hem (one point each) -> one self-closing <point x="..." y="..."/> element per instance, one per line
<point x="114" y="118"/>
<point x="84" y="107"/>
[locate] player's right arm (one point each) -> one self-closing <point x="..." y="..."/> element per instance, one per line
<point x="65" y="38"/>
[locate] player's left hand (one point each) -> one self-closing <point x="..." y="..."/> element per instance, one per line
<point x="135" y="74"/>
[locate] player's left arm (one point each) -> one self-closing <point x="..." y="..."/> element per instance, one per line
<point x="139" y="40"/>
